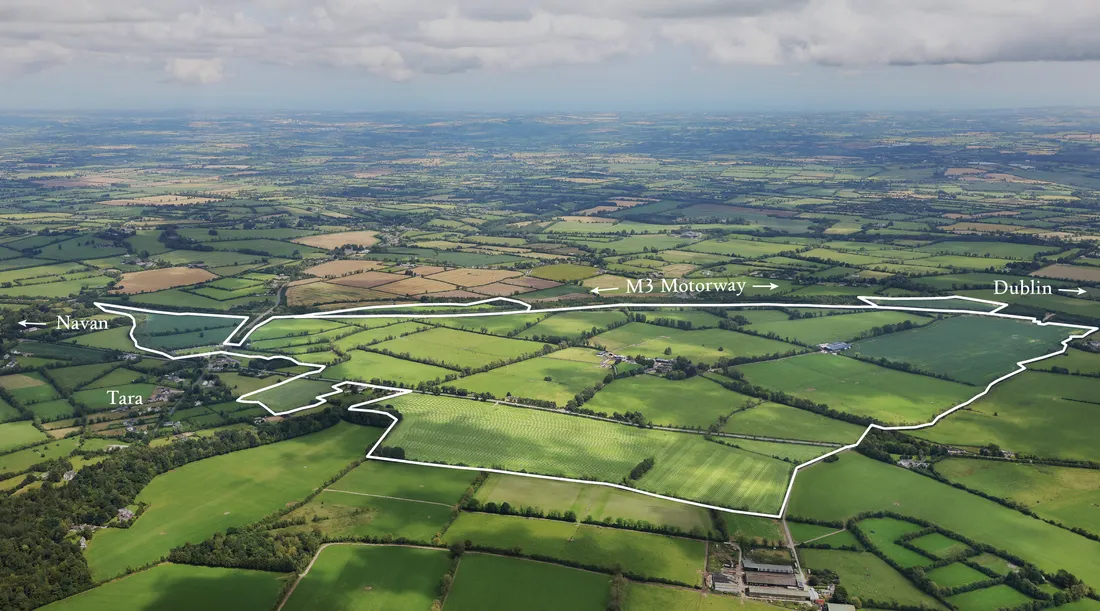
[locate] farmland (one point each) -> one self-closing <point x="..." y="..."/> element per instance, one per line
<point x="868" y="577"/>
<point x="700" y="345"/>
<point x="402" y="579"/>
<point x="662" y="402"/>
<point x="530" y="585"/>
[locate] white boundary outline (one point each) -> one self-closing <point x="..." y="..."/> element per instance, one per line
<point x="871" y="302"/>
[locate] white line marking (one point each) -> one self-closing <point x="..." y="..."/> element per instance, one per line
<point x="397" y="392"/>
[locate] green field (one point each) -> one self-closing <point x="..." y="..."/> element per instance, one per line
<point x="556" y="377"/>
<point x="21" y="460"/>
<point x="71" y="378"/>
<point x="588" y="500"/>
<point x="836" y="328"/>
<point x="835" y="491"/>
<point x="955" y="575"/>
<point x="859" y="388"/>
<point x="662" y="401"/>
<point x="971" y="349"/>
<point x="292" y="395"/>
<point x="1076" y="361"/>
<point x="649" y="597"/>
<point x="564" y="272"/>
<point x="992" y="562"/>
<point x="496" y="325"/>
<point x="1045" y="414"/>
<point x="782" y="421"/>
<point x="179" y="587"/>
<point x="370" y="578"/>
<point x="570" y="325"/>
<point x="406" y="482"/>
<point x="647" y="554"/>
<point x="1067" y="495"/>
<point x="459" y="348"/>
<point x="457" y="431"/>
<point x="864" y="575"/>
<point x="366" y="366"/>
<point x="701" y="345"/>
<point x="340" y="514"/>
<point x="237" y="488"/>
<point x="18" y="434"/>
<point x="989" y="599"/>
<point x="494" y="583"/>
<point x="884" y="531"/>
<point x="940" y="546"/>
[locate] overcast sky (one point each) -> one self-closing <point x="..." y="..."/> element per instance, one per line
<point x="498" y="55"/>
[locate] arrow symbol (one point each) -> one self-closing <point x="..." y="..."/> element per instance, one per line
<point x="598" y="289"/>
<point x="770" y="287"/>
<point x="1079" y="291"/>
<point x="25" y="324"/>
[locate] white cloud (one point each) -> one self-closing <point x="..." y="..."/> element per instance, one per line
<point x="401" y="39"/>
<point x="194" y="71"/>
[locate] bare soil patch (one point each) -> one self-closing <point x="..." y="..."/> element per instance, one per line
<point x="335" y="240"/>
<point x="367" y="280"/>
<point x="158" y="279"/>
<point x="474" y="277"/>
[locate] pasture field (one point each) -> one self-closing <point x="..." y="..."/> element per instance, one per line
<point x="365" y="366"/>
<point x="884" y="531"/>
<point x="293" y="327"/>
<point x="666" y="402"/>
<point x="940" y="546"/>
<point x="181" y="587"/>
<point x="117" y="338"/>
<point x="791" y="452"/>
<point x="782" y="421"/>
<point x="698" y="318"/>
<point x="755" y="528"/>
<point x="1074" y="360"/>
<point x="866" y="576"/>
<point x="859" y="388"/>
<point x="1005" y="250"/>
<point x="570" y="325"/>
<point x="853" y="484"/>
<point x="647" y="554"/>
<point x="159" y="279"/>
<point x="747" y="249"/>
<point x="71" y="378"/>
<point x="557" y="376"/>
<point x="459" y="348"/>
<point x="800" y="531"/>
<point x="992" y="562"/>
<point x="586" y="500"/>
<point x="702" y="345"/>
<point x="955" y="575"/>
<point x="564" y="272"/>
<point x="1045" y="414"/>
<point x="1064" y="494"/>
<point x="49" y="411"/>
<point x="340" y="514"/>
<point x="836" y="328"/>
<point x="22" y="460"/>
<point x="28" y="388"/>
<point x="1069" y="272"/>
<point x="373" y="335"/>
<point x="237" y="488"/>
<point x="971" y="349"/>
<point x="8" y="413"/>
<point x="440" y="429"/>
<point x="989" y="599"/>
<point x="495" y="583"/>
<point x="16" y="434"/>
<point x="117" y="377"/>
<point x="495" y="325"/>
<point x="370" y="578"/>
<point x="298" y="393"/>
<point x="406" y="482"/>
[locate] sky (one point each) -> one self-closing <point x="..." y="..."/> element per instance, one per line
<point x="549" y="55"/>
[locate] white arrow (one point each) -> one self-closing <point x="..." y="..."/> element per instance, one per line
<point x="770" y="287"/>
<point x="598" y="289"/>
<point x="25" y="324"/>
<point x="1079" y="291"/>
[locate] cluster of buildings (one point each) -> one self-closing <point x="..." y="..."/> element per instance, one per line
<point x="762" y="580"/>
<point x="835" y="346"/>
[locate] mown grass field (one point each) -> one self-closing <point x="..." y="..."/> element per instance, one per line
<point x="859" y="388"/>
<point x="753" y="527"/>
<point x="1076" y="361"/>
<point x="866" y="576"/>
<point x="292" y="395"/>
<point x="457" y="431"/>
<point x="179" y="587"/>
<point x="971" y="349"/>
<point x="884" y="531"/>
<point x="459" y="348"/>
<point x="339" y="514"/>
<point x="192" y="502"/>
<point x="370" y="578"/>
<point x="955" y="575"/>
<point x="643" y="553"/>
<point x="22" y="460"/>
<point x="365" y="366"/>
<point x="997" y="597"/>
<point x="585" y="500"/>
<point x="570" y="325"/>
<point x="701" y="345"/>
<point x="783" y="421"/>
<point x="16" y="434"/>
<point x="556" y="377"/>
<point x="835" y="491"/>
<point x="1045" y="414"/>
<point x="836" y="328"/>
<point x="406" y="481"/>
<point x="1070" y="496"/>
<point x="494" y="583"/>
<point x="940" y="546"/>
<point x="649" y="597"/>
<point x="664" y="401"/>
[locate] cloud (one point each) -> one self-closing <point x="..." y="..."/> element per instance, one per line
<point x="194" y="71"/>
<point x="403" y="39"/>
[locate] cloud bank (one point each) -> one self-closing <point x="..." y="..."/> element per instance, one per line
<point x="192" y="41"/>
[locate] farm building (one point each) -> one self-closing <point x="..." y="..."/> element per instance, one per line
<point x="724" y="583"/>
<point x="759" y="578"/>
<point x="835" y="346"/>
<point x="783" y="593"/>
<point x="839" y="607"/>
<point x="751" y="565"/>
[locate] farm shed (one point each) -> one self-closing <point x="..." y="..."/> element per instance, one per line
<point x="751" y="565"/>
